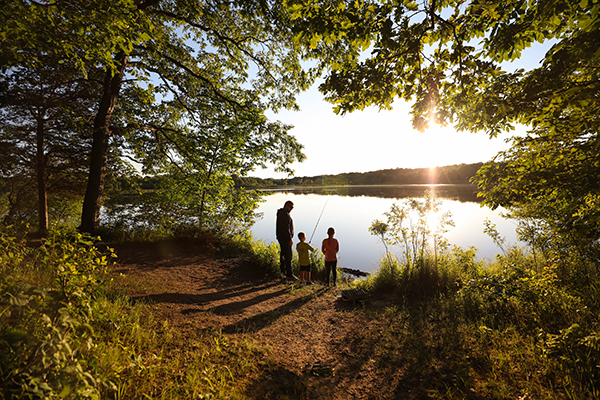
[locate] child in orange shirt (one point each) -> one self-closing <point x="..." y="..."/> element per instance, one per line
<point x="330" y="248"/>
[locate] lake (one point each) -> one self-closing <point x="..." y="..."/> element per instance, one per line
<point x="352" y="209"/>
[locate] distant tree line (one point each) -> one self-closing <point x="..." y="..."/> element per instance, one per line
<point x="451" y="174"/>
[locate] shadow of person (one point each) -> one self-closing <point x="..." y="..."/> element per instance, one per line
<point x="262" y="320"/>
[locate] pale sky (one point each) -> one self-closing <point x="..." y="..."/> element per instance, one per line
<point x="372" y="140"/>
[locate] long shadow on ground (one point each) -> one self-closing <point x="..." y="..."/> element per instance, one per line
<point x="203" y="298"/>
<point x="262" y="320"/>
<point x="166" y="253"/>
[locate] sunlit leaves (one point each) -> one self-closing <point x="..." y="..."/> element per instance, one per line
<point x="84" y="33"/>
<point x="416" y="225"/>
<point x="464" y="43"/>
<point x="188" y="67"/>
<point x="551" y="176"/>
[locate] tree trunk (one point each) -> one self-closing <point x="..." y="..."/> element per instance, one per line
<point x="41" y="179"/>
<point x="90" y="215"/>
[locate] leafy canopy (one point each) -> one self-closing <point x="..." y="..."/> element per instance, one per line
<point x="447" y="57"/>
<point x="452" y="60"/>
<point x="188" y="68"/>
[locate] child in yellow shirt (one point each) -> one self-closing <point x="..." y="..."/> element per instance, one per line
<point x="304" y="259"/>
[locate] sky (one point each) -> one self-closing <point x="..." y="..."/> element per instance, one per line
<point x="372" y="140"/>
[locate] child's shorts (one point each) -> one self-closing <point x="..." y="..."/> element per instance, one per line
<point x="305" y="268"/>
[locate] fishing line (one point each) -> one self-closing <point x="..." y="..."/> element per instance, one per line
<point x="317" y="224"/>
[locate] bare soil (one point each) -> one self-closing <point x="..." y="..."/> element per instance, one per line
<point x="196" y="289"/>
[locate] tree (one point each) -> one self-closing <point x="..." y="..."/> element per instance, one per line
<point x="43" y="111"/>
<point x="413" y="225"/>
<point x="550" y="182"/>
<point x="177" y="54"/>
<point x="201" y="53"/>
<point x="446" y="57"/>
<point x="451" y="59"/>
<point x="198" y="165"/>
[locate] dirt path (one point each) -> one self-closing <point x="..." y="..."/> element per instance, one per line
<point x="301" y="324"/>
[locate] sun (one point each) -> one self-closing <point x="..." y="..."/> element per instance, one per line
<point x="442" y="145"/>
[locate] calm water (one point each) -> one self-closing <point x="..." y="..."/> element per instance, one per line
<point x="351" y="210"/>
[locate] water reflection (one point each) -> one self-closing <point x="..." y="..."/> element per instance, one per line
<point x="351" y="210"/>
<point x="462" y="193"/>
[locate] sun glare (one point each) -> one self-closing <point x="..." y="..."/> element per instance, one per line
<point x="434" y="221"/>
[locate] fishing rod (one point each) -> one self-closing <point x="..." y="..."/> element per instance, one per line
<point x="320" y="215"/>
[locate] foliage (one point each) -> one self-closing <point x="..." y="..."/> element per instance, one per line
<point x="81" y="33"/>
<point x="453" y="61"/>
<point x="510" y="321"/>
<point x="196" y="165"/>
<point x="267" y="256"/>
<point x="47" y="325"/>
<point x="386" y="279"/>
<point x="44" y="113"/>
<point x="450" y="174"/>
<point x="182" y="207"/>
<point x="498" y="331"/>
<point x="423" y="270"/>
<point x="67" y="332"/>
<point x="412" y="226"/>
<point x="549" y="182"/>
<point x="176" y="76"/>
<point x="520" y="297"/>
<point x="447" y="57"/>
<point x="428" y="281"/>
<point x="578" y="353"/>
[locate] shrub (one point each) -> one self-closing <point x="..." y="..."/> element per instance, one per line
<point x="520" y="296"/>
<point x="577" y="353"/>
<point x="429" y="279"/>
<point x="47" y="295"/>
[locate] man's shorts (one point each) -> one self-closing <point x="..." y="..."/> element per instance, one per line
<point x="305" y="268"/>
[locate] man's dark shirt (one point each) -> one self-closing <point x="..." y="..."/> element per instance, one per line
<point x="285" y="226"/>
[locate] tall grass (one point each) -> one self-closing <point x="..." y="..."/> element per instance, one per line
<point x="266" y="256"/>
<point x="428" y="279"/>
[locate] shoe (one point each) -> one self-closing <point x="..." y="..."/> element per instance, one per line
<point x="309" y="283"/>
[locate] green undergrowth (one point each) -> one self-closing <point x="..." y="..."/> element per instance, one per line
<point x="266" y="255"/>
<point x="446" y="328"/>
<point x="67" y="331"/>
<point x="507" y="329"/>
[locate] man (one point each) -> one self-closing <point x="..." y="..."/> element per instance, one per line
<point x="285" y="237"/>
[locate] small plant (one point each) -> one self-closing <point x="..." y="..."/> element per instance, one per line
<point x="417" y="227"/>
<point x="577" y="353"/>
<point x="265" y="255"/>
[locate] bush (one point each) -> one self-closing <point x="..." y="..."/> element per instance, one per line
<point x="429" y="279"/>
<point x="521" y="297"/>
<point x="577" y="353"/>
<point x="47" y="326"/>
